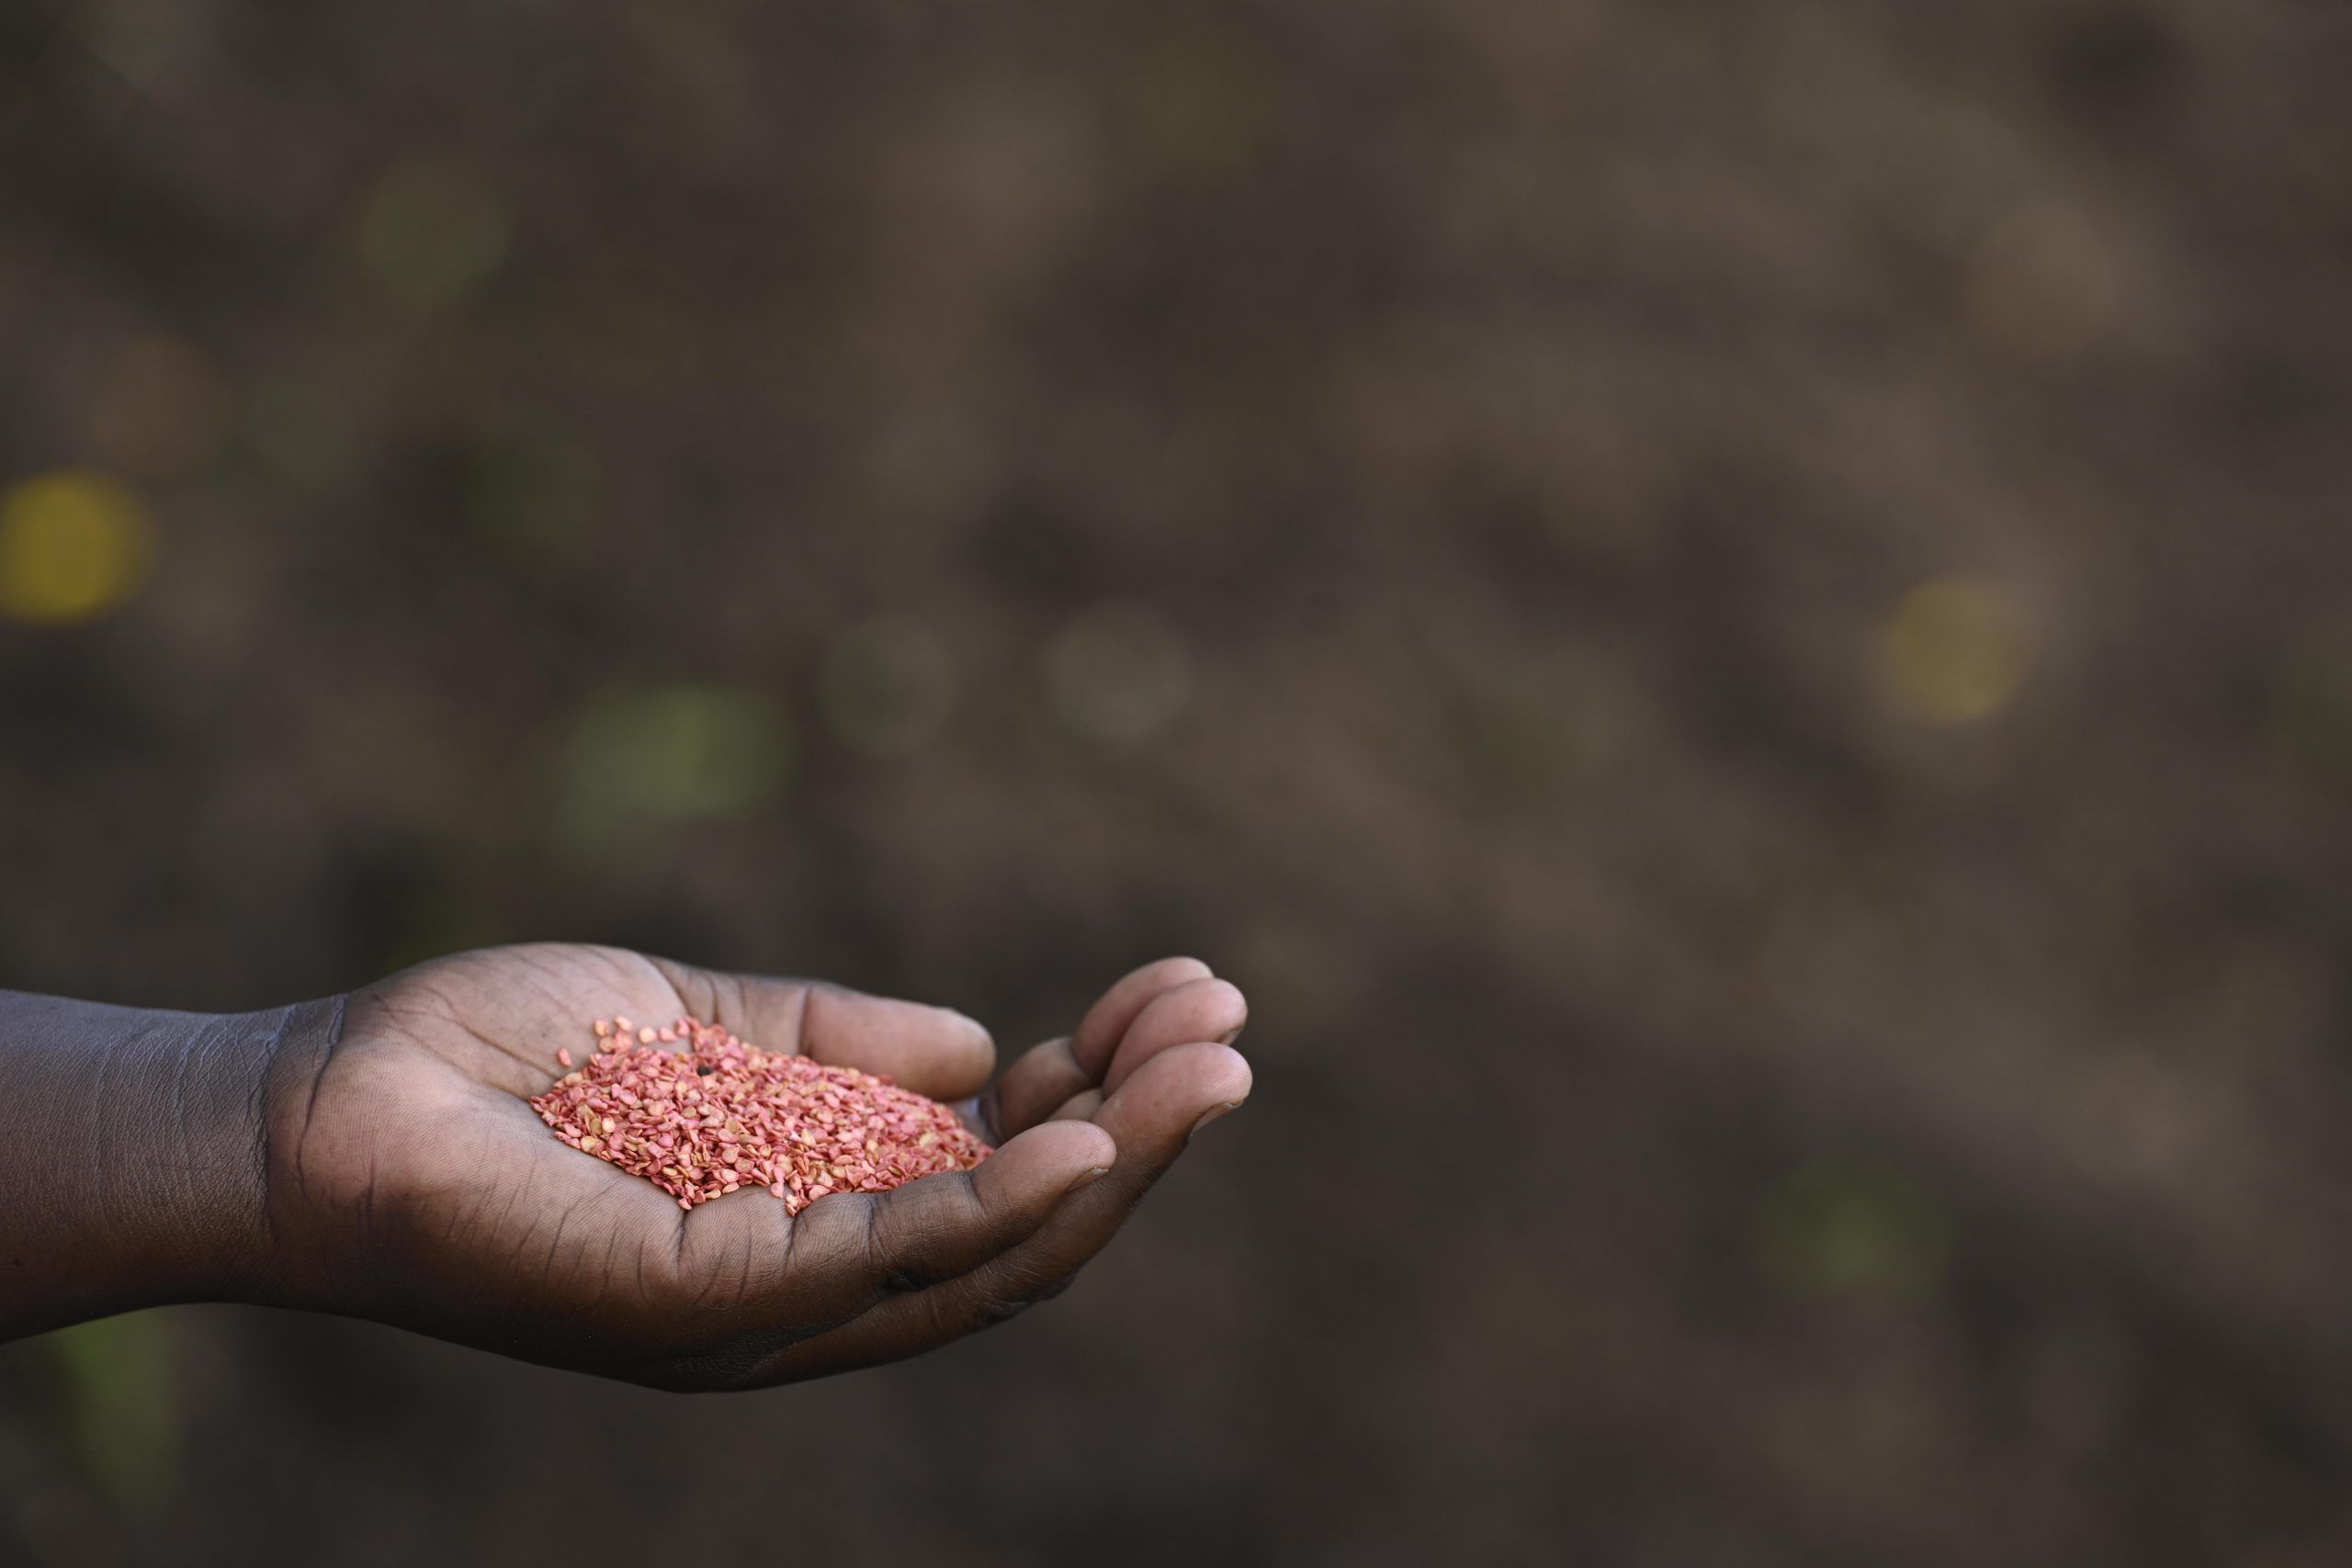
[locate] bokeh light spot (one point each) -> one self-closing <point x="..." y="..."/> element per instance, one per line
<point x="431" y="231"/>
<point x="530" y="487"/>
<point x="122" y="1402"/>
<point x="888" y="686"/>
<point x="1956" y="650"/>
<point x="1118" y="675"/>
<point x="73" y="545"/>
<point x="1834" y="1227"/>
<point x="672" y="754"/>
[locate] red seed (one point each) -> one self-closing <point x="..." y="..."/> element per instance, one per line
<point x="562" y="1058"/>
<point x="723" y="1115"/>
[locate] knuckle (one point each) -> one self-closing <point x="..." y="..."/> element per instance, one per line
<point x="1012" y="1297"/>
<point x="992" y="1311"/>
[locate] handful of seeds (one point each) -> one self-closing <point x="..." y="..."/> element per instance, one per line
<point x="723" y="1114"/>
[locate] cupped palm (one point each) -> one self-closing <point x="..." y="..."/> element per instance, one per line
<point x="411" y="1183"/>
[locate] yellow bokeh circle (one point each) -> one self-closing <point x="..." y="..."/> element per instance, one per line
<point x="73" y="545"/>
<point x="1956" y="650"/>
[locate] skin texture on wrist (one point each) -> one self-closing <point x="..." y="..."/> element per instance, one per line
<point x="134" y="1152"/>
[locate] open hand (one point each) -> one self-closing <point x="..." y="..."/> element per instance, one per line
<point x="409" y="1180"/>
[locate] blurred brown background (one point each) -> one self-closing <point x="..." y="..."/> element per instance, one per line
<point x="1733" y="615"/>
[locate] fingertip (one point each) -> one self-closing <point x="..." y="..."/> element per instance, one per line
<point x="961" y="1030"/>
<point x="1107" y="1021"/>
<point x="1216" y="1006"/>
<point x="1205" y="1009"/>
<point x="1063" y="1154"/>
<point x="970" y="1037"/>
<point x="1219" y="1065"/>
<point x="974" y="1029"/>
<point x="1212" y="1114"/>
<point x="1170" y="1094"/>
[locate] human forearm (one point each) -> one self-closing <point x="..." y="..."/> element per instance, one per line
<point x="132" y="1156"/>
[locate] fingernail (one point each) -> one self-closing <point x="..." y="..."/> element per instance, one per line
<point x="1230" y="1036"/>
<point x="1087" y="1178"/>
<point x="1214" y="1113"/>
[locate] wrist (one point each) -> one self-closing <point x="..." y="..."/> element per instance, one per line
<point x="301" y="1218"/>
<point x="135" y="1155"/>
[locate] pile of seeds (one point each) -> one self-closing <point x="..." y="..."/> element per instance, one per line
<point x="723" y="1114"/>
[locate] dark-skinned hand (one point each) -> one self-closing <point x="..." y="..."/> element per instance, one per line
<point x="404" y="1177"/>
